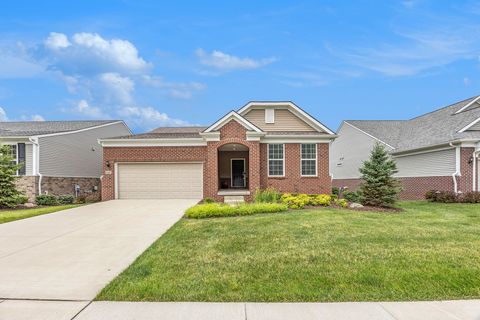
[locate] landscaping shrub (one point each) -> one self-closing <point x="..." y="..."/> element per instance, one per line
<point x="210" y="210"/>
<point x="21" y="199"/>
<point x="335" y="191"/>
<point x="295" y="201"/>
<point x="471" y="197"/>
<point x="442" y="196"/>
<point x="81" y="199"/>
<point x="208" y="200"/>
<point x="46" y="200"/>
<point x="66" y="199"/>
<point x="341" y="202"/>
<point x="352" y="196"/>
<point x="379" y="187"/>
<point x="269" y="195"/>
<point x="320" y="200"/>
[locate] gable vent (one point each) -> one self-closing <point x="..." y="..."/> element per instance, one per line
<point x="269" y="115"/>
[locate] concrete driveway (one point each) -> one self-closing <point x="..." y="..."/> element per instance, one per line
<point x="72" y="254"/>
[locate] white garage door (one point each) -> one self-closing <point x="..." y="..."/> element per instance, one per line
<point x="160" y="181"/>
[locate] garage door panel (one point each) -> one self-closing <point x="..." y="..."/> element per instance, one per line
<point x="160" y="181"/>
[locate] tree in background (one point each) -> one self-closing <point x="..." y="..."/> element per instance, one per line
<point x="9" y="195"/>
<point x="379" y="188"/>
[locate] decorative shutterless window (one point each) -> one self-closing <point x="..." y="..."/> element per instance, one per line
<point x="13" y="153"/>
<point x="309" y="159"/>
<point x="276" y="160"/>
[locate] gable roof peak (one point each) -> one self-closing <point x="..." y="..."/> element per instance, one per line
<point x="232" y="115"/>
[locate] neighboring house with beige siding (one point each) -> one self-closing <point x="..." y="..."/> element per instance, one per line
<point x="438" y="150"/>
<point x="59" y="157"/>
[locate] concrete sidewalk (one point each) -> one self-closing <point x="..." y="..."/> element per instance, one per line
<point x="445" y="310"/>
<point x="83" y="310"/>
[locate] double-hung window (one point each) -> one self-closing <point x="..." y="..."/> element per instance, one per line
<point x="13" y="153"/>
<point x="309" y="159"/>
<point x="276" y="160"/>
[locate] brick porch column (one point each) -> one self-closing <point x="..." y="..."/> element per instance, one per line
<point x="254" y="158"/>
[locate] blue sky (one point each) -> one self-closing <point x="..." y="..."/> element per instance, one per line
<point x="155" y="63"/>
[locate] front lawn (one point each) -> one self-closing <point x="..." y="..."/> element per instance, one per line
<point x="8" y="215"/>
<point x="431" y="251"/>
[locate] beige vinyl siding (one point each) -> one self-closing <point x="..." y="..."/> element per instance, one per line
<point x="284" y="121"/>
<point x="355" y="147"/>
<point x="431" y="164"/>
<point x="160" y="180"/>
<point x="28" y="159"/>
<point x="76" y="154"/>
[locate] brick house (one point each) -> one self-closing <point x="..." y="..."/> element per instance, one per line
<point x="438" y="150"/>
<point x="263" y="144"/>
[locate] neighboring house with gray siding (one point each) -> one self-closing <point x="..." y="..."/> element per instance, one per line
<point x="438" y="150"/>
<point x="59" y="157"/>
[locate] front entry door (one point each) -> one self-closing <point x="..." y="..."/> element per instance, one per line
<point x="238" y="173"/>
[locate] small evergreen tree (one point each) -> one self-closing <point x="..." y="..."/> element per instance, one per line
<point x="9" y="195"/>
<point x="379" y="188"/>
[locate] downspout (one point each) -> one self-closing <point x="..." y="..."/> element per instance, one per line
<point x="475" y="163"/>
<point x="457" y="167"/>
<point x="37" y="163"/>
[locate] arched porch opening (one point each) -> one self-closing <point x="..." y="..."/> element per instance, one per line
<point x="233" y="167"/>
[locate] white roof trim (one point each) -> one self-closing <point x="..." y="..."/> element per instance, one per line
<point x="232" y="115"/>
<point x="368" y="134"/>
<point x="468" y="104"/>
<point x="180" y="142"/>
<point x="296" y="110"/>
<point x="469" y="125"/>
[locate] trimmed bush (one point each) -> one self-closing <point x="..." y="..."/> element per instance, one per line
<point x="352" y="196"/>
<point x="471" y="197"/>
<point x="442" y="196"/>
<point x="211" y="210"/>
<point x="46" y="200"/>
<point x="320" y="200"/>
<point x="335" y="191"/>
<point x="341" y="202"/>
<point x="298" y="201"/>
<point x="269" y="195"/>
<point x="66" y="199"/>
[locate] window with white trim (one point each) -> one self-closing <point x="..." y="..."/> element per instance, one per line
<point x="309" y="159"/>
<point x="276" y="160"/>
<point x="13" y="153"/>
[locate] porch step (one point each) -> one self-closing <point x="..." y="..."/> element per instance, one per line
<point x="234" y="199"/>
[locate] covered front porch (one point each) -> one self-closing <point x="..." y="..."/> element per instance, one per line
<point x="233" y="170"/>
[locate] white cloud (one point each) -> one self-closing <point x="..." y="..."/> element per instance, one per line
<point x="83" y="108"/>
<point x="224" y="61"/>
<point x="181" y="90"/>
<point x="118" y="88"/>
<point x="57" y="41"/>
<point x="149" y="117"/>
<point x="418" y="51"/>
<point x="3" y="115"/>
<point x="466" y="81"/>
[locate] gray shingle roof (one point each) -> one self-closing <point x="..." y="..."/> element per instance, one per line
<point x="33" y="128"/>
<point x="168" y="133"/>
<point x="436" y="127"/>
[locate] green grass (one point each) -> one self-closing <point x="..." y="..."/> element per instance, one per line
<point x="430" y="251"/>
<point x="17" y="214"/>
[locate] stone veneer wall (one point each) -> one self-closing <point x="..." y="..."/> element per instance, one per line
<point x="28" y="185"/>
<point x="66" y="185"/>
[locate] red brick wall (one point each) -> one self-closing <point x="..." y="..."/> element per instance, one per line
<point x="465" y="181"/>
<point x="293" y="181"/>
<point x="414" y="188"/>
<point x="144" y="154"/>
<point x="232" y="132"/>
